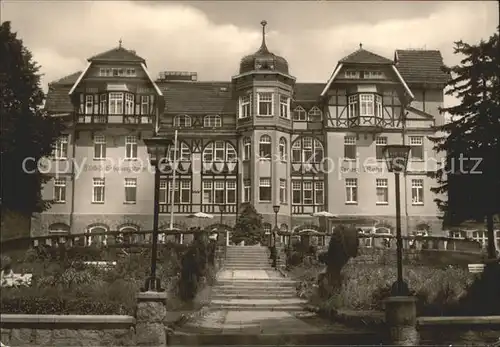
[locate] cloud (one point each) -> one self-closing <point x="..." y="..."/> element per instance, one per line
<point x="62" y="35"/>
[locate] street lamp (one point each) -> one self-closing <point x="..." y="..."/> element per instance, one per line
<point x="396" y="157"/>
<point x="276" y="209"/>
<point x="158" y="149"/>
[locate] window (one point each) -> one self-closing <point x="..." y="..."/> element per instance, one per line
<point x="98" y="190"/>
<point x="115" y="103"/>
<point x="265" y="104"/>
<point x="283" y="192"/>
<point x="417" y="191"/>
<point x="103" y="104"/>
<point x="373" y="74"/>
<point x="378" y="106"/>
<point x="382" y="191"/>
<point x="219" y="150"/>
<point x="246" y="190"/>
<point x="89" y="104"/>
<point x="353" y="106"/>
<point x="99" y="147"/>
<point x="130" y="190"/>
<point x="265" y="147"/>
<point x="247" y="148"/>
<point x="307" y="150"/>
<point x="380" y="144"/>
<point x="351" y="190"/>
<point x="182" y="192"/>
<point x="182" y="121"/>
<point x="284" y="106"/>
<point x="183" y="152"/>
<point x="60" y="190"/>
<point x="296" y="192"/>
<point x="417" y="147"/>
<point x="61" y="150"/>
<point x="245" y="106"/>
<point x="97" y="240"/>
<point x="307" y="190"/>
<point x="212" y="121"/>
<point x="163" y="192"/>
<point x="299" y="114"/>
<point x="219" y="191"/>
<point x="144" y="105"/>
<point x="350" y="147"/>
<point x="366" y="105"/>
<point x="118" y="72"/>
<point x="265" y="189"/>
<point x="314" y="114"/>
<point x="267" y="228"/>
<point x="129" y="104"/>
<point x="319" y="188"/>
<point x="282" y="149"/>
<point x="131" y="147"/>
<point x="207" y="192"/>
<point x="130" y="72"/>
<point x="104" y="72"/>
<point x="351" y="74"/>
<point x="230" y="192"/>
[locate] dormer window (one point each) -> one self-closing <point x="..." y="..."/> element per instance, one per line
<point x="130" y="72"/>
<point x="314" y="114"/>
<point x="373" y="74"/>
<point x="182" y="121"/>
<point x="299" y="114"/>
<point x="351" y="74"/>
<point x="104" y="72"/>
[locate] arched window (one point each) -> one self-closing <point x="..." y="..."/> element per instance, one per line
<point x="307" y="150"/>
<point x="183" y="152"/>
<point x="265" y="147"/>
<point x="282" y="149"/>
<point x="299" y="114"/>
<point x="219" y="151"/>
<point x="97" y="240"/>
<point x="59" y="230"/>
<point x="247" y="148"/>
<point x="314" y="114"/>
<point x="182" y="121"/>
<point x="128" y="234"/>
<point x="212" y="121"/>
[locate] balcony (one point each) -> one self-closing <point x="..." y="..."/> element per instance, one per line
<point x="114" y="119"/>
<point x="366" y="123"/>
<point x="193" y="208"/>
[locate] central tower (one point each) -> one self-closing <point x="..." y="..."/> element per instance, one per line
<point x="264" y="89"/>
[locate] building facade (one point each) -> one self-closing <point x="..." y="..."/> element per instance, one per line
<point x="261" y="137"/>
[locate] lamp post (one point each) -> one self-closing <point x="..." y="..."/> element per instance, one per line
<point x="396" y="157"/>
<point x="222" y="209"/>
<point x="158" y="148"/>
<point x="276" y="209"/>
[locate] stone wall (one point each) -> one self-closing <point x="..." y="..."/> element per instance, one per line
<point x="70" y="330"/>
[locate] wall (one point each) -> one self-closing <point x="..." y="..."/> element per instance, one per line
<point x="70" y="330"/>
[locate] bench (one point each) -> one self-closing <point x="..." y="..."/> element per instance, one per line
<point x="106" y="265"/>
<point x="476" y="268"/>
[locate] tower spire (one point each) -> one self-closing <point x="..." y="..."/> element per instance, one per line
<point x="263" y="47"/>
<point x="120" y="43"/>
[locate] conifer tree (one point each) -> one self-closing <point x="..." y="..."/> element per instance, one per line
<point x="248" y="226"/>
<point x="27" y="131"/>
<point x="470" y="176"/>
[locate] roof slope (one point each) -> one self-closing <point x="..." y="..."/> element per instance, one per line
<point x="421" y="66"/>
<point x="118" y="54"/>
<point x="308" y="91"/>
<point x="57" y="100"/>
<point x="362" y="56"/>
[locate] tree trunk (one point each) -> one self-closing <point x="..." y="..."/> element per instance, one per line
<point x="491" y="237"/>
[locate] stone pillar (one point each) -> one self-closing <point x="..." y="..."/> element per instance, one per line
<point x="150" y="319"/>
<point x="401" y="321"/>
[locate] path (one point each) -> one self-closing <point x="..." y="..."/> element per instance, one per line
<point x="252" y="303"/>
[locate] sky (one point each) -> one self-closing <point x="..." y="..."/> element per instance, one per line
<point x="211" y="37"/>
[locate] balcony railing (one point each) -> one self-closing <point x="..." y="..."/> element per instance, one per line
<point x="193" y="208"/>
<point x="307" y="209"/>
<point x="114" y="119"/>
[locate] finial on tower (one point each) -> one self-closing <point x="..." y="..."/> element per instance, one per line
<point x="120" y="43"/>
<point x="360" y="46"/>
<point x="263" y="46"/>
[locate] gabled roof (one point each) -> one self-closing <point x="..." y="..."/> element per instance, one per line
<point x="118" y="54"/>
<point x="69" y="80"/>
<point x="362" y="56"/>
<point x="421" y="66"/>
<point x="308" y="91"/>
<point x="58" y="100"/>
<point x="198" y="97"/>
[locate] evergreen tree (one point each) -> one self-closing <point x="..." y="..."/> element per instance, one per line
<point x="27" y="131"/>
<point x="471" y="140"/>
<point x="248" y="226"/>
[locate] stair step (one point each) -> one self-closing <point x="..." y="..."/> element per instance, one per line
<point x="256" y="290"/>
<point x="252" y="296"/>
<point x="257" y="283"/>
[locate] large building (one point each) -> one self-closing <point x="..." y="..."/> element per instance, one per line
<point x="260" y="137"/>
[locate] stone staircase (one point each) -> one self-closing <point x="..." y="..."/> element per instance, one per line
<point x="248" y="282"/>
